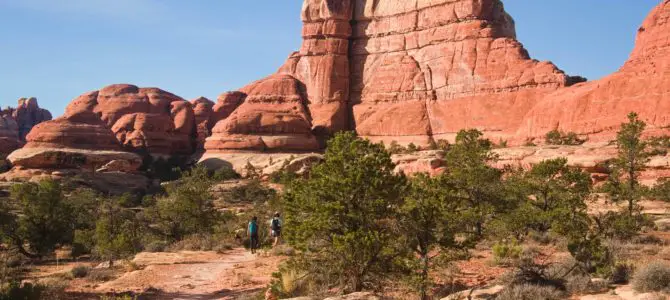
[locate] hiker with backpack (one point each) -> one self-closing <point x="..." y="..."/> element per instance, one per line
<point x="275" y="229"/>
<point x="253" y="234"/>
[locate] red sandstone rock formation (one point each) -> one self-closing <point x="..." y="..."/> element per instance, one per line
<point x="273" y="116"/>
<point x="142" y="118"/>
<point x="15" y="123"/>
<point x="9" y="136"/>
<point x="203" y="110"/>
<point x="79" y="130"/>
<point x="305" y="101"/>
<point x="598" y="108"/>
<point x="28" y="114"/>
<point x="408" y="70"/>
<point x="423" y="69"/>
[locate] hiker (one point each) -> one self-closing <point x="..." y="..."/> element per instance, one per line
<point x="253" y="234"/>
<point x="275" y="229"/>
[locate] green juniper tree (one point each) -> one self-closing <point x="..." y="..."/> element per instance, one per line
<point x="44" y="219"/>
<point x="188" y="208"/>
<point x="343" y="218"/>
<point x="472" y="178"/>
<point x="433" y="219"/>
<point x="117" y="231"/>
<point x="624" y="184"/>
<point x="556" y="195"/>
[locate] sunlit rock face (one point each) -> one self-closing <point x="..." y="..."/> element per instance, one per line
<point x="142" y="119"/>
<point x="596" y="109"/>
<point x="406" y="71"/>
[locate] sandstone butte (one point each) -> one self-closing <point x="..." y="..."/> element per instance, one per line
<point x="416" y="70"/>
<point x="392" y="70"/>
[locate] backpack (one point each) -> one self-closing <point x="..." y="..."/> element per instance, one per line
<point x="275" y="224"/>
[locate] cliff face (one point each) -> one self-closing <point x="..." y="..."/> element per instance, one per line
<point x="597" y="108"/>
<point x="393" y="70"/>
<point x="426" y="69"/>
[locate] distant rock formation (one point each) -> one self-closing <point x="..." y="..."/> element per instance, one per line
<point x="9" y="135"/>
<point x="203" y="110"/>
<point x="16" y="123"/>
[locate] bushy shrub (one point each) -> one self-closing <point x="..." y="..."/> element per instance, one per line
<point x="653" y="277"/>
<point x="188" y="207"/>
<point x="252" y="192"/>
<point x="505" y="252"/>
<point x="530" y="292"/>
<point x="224" y="174"/>
<point x="16" y="290"/>
<point x="556" y="137"/>
<point x="80" y="271"/>
<point x="621" y="273"/>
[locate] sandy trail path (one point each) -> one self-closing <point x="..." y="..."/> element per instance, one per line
<point x="196" y="275"/>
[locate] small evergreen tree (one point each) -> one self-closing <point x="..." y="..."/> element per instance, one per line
<point x="188" y="208"/>
<point x="117" y="232"/>
<point x="342" y="218"/>
<point x="472" y="178"/>
<point x="45" y="219"/>
<point x="432" y="219"/>
<point x="557" y="194"/>
<point x="624" y="184"/>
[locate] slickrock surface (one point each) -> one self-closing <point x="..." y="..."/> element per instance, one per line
<point x="597" y="108"/>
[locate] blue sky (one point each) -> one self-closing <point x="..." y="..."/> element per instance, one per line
<point x="56" y="50"/>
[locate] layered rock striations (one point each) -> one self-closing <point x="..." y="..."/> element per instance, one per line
<point x="104" y="135"/>
<point x="596" y="109"/>
<point x="297" y="108"/>
<point x="78" y="140"/>
<point x="142" y="119"/>
<point x="426" y="69"/>
<point x="408" y="71"/>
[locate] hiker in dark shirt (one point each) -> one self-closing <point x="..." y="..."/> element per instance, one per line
<point x="275" y="229"/>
